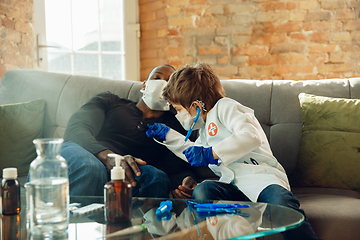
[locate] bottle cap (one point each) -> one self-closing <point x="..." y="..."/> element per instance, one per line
<point x="117" y="173"/>
<point x="10" y="173"/>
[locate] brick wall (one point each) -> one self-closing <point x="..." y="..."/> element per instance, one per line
<point x="16" y="35"/>
<point x="253" y="39"/>
<point x="154" y="35"/>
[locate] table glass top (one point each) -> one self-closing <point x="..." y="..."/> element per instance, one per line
<point x="183" y="222"/>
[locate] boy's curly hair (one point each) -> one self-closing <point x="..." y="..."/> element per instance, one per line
<point x="191" y="83"/>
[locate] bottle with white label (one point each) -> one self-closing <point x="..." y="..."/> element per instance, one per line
<point x="117" y="194"/>
<point x="48" y="190"/>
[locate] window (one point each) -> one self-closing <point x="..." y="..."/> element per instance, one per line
<point x="88" y="37"/>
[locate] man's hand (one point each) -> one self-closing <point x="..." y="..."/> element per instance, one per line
<point x="129" y="164"/>
<point x="185" y="190"/>
<point x="108" y="162"/>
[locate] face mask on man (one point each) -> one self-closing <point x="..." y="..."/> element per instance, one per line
<point x="152" y="95"/>
<point x="186" y="120"/>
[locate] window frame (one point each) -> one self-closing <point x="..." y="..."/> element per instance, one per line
<point x="131" y="35"/>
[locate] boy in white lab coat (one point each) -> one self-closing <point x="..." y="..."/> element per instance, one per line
<point x="232" y="144"/>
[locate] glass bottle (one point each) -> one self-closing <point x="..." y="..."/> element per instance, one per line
<point x="10" y="226"/>
<point x="117" y="195"/>
<point x="48" y="190"/>
<point x="10" y="192"/>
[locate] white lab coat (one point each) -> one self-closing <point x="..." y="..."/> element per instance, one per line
<point x="236" y="136"/>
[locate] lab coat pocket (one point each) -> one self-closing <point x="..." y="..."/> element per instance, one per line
<point x="226" y="175"/>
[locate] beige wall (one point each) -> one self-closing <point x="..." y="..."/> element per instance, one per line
<point x="16" y="35"/>
<point x="255" y="39"/>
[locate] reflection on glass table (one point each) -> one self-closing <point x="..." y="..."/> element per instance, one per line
<point x="182" y="222"/>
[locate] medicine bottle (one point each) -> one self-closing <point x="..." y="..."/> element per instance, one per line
<point x="10" y="192"/>
<point x="10" y="227"/>
<point x="117" y="194"/>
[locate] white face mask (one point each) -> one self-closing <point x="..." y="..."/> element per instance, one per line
<point x="152" y="95"/>
<point x="186" y="120"/>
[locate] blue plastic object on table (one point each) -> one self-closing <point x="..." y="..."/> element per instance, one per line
<point x="213" y="209"/>
<point x="165" y="206"/>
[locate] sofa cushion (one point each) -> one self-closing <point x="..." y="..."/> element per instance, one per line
<point x="20" y="123"/>
<point x="332" y="213"/>
<point x="330" y="143"/>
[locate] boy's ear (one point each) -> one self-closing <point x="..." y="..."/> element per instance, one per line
<point x="198" y="105"/>
<point x="201" y="105"/>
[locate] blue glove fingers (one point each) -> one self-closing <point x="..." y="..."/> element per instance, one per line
<point x="157" y="130"/>
<point x="151" y="132"/>
<point x="195" y="156"/>
<point x="198" y="156"/>
<point x="188" y="154"/>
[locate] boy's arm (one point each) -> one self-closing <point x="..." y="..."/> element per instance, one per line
<point x="175" y="136"/>
<point x="246" y="131"/>
<point x="175" y="143"/>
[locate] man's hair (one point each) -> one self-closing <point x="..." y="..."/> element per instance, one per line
<point x="152" y="70"/>
<point x="191" y="83"/>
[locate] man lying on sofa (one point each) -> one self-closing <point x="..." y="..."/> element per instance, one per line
<point x="109" y="124"/>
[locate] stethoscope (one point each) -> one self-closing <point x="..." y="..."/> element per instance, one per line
<point x="188" y="133"/>
<point x="193" y="124"/>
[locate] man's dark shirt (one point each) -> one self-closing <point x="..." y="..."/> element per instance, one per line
<point x="107" y="121"/>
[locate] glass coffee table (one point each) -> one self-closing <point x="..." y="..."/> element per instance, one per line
<point x="183" y="222"/>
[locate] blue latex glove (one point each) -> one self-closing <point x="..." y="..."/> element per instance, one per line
<point x="198" y="156"/>
<point x="158" y="131"/>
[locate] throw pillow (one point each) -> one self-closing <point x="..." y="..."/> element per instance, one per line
<point x="329" y="154"/>
<point x="20" y="124"/>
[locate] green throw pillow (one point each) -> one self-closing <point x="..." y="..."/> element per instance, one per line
<point x="20" y="124"/>
<point x="329" y="154"/>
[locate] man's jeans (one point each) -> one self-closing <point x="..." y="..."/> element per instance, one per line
<point x="274" y="194"/>
<point x="87" y="175"/>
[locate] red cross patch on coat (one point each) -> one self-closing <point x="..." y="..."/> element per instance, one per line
<point x="212" y="129"/>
